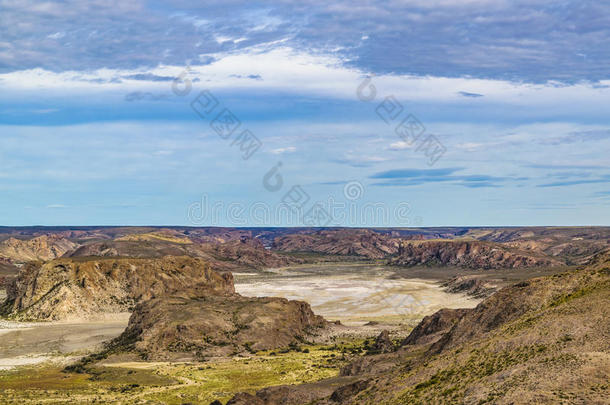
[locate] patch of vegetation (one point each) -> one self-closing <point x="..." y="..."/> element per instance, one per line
<point x="171" y="383"/>
<point x="449" y="384"/>
<point x="568" y="297"/>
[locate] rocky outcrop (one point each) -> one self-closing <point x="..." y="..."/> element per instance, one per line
<point x="383" y="343"/>
<point x="299" y="394"/>
<point x="355" y="242"/>
<point x="471" y="254"/>
<point x="349" y="390"/>
<point x="434" y="326"/>
<point x="191" y="326"/>
<point x="249" y="253"/>
<point x="7" y="272"/>
<point x="39" y="248"/>
<point x="470" y="285"/>
<point x="154" y="248"/>
<point x="73" y="288"/>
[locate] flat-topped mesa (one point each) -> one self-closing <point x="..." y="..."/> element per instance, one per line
<point x="87" y="287"/>
<point x="472" y="254"/>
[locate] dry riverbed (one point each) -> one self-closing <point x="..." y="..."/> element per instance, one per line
<point x="365" y="297"/>
<point x="355" y="294"/>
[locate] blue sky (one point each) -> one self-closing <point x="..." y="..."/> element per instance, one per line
<point x="97" y="127"/>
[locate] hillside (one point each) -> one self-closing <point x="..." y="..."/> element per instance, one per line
<point x="542" y="341"/>
<point x="471" y="254"/>
<point x="365" y="243"/>
<point x="234" y="254"/>
<point x="38" y="248"/>
<point x="73" y="288"/>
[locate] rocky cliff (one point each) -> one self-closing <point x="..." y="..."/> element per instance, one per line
<point x="249" y="253"/>
<point x="71" y="288"/>
<point x="364" y="243"/>
<point x="38" y="248"/>
<point x="471" y="254"/>
<point x="434" y="326"/>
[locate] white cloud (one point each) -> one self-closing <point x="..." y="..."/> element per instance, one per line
<point x="469" y="146"/>
<point x="400" y="145"/>
<point x="288" y="149"/>
<point x="222" y="39"/>
<point x="56" y="206"/>
<point x="288" y="70"/>
<point x="57" y="35"/>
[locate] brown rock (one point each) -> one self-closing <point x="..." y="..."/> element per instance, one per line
<point x="383" y="343"/>
<point x="347" y="391"/>
<point x="40" y="248"/>
<point x="72" y="288"/>
<point x="471" y="285"/>
<point x="249" y="253"/>
<point x="244" y="398"/>
<point x="194" y="326"/>
<point x="432" y="327"/>
<point x="356" y="242"/>
<point x="471" y="254"/>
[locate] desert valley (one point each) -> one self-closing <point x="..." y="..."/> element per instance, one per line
<point x="261" y="316"/>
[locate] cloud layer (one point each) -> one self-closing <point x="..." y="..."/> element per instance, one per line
<point x="522" y="40"/>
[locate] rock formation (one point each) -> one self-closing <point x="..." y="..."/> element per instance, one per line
<point x="383" y="343"/>
<point x="471" y="254"/>
<point x="70" y="288"/>
<point x="471" y="285"/>
<point x="244" y="253"/>
<point x="38" y="248"/>
<point x="191" y="326"/>
<point x="249" y="253"/>
<point x="354" y="242"/>
<point x="434" y="326"/>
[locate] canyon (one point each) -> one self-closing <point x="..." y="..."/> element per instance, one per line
<point x="324" y="316"/>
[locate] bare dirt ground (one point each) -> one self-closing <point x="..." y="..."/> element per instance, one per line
<point x="32" y="343"/>
<point x="355" y="294"/>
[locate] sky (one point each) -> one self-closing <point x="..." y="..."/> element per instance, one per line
<point x="343" y="113"/>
